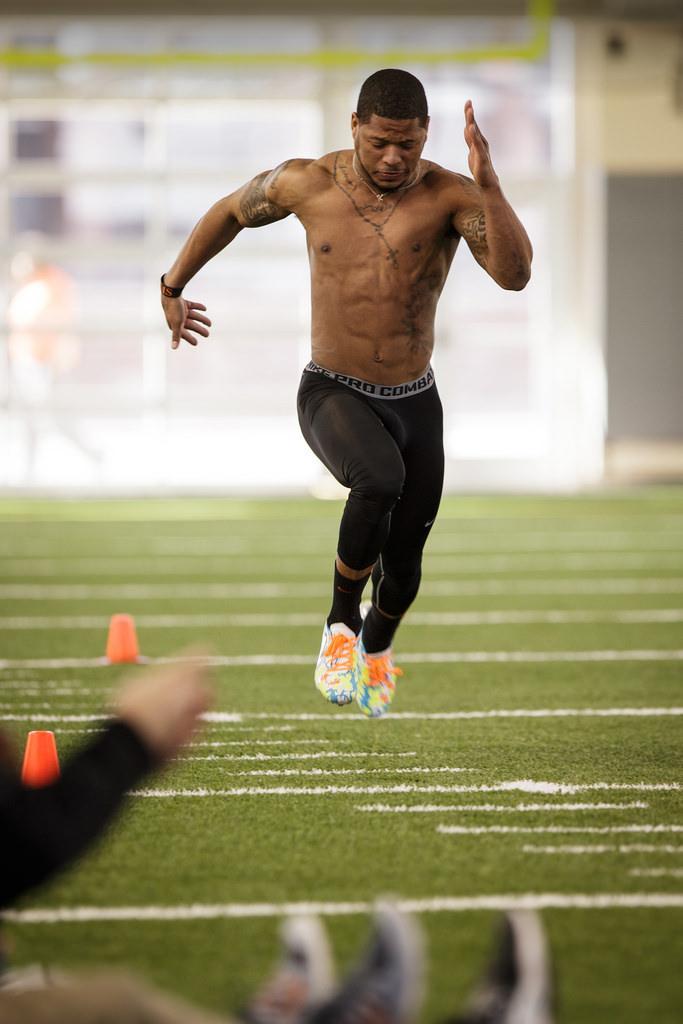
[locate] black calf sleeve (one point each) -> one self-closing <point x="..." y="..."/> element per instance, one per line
<point x="395" y="588"/>
<point x="392" y="594"/>
<point x="378" y="631"/>
<point x="346" y="595"/>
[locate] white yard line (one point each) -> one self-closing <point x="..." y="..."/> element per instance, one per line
<point x="308" y="619"/>
<point x="201" y="793"/>
<point x="60" y="694"/>
<point x="436" y="904"/>
<point x="451" y="716"/>
<point x="42" y="717"/>
<point x="517" y="786"/>
<point x="134" y="545"/>
<point x="574" y="541"/>
<point x="221" y="565"/>
<point x="657" y="872"/>
<point x="46" y="687"/>
<point x="80" y="731"/>
<point x="158" y="591"/>
<point x="230" y="717"/>
<point x="526" y="562"/>
<point x="260" y="743"/>
<point x="319" y="772"/>
<point x="479" y="830"/>
<point x="448" y="542"/>
<point x="496" y="808"/>
<point x="44" y="699"/>
<point x="555" y="617"/>
<point x="50" y="691"/>
<point x="296" y="757"/>
<point x="260" y="728"/>
<point x="296" y="589"/>
<point x="409" y="658"/>
<point x="598" y="585"/>
<point x="456" y="657"/>
<point x="623" y="848"/>
<point x="31" y="708"/>
<point x="472" y="517"/>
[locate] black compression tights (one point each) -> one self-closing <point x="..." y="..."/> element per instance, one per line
<point x="390" y="454"/>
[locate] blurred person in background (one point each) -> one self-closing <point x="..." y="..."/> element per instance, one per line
<point x="382" y="228"/>
<point x="43" y="346"/>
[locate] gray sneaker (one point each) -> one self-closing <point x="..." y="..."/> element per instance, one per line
<point x="303" y="980"/>
<point x="386" y="985"/>
<point x="517" y="987"/>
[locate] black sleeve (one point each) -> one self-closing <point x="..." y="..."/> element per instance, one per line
<point x="42" y="830"/>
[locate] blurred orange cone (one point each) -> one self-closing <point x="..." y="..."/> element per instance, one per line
<point x="41" y="764"/>
<point x="122" y="642"/>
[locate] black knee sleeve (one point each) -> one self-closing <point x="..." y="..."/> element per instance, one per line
<point x="365" y="523"/>
<point x="375" y="496"/>
<point x="395" y="588"/>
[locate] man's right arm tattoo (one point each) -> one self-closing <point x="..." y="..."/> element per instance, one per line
<point x="255" y="207"/>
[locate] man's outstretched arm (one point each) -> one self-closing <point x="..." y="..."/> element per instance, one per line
<point x="486" y="220"/>
<point x="267" y="198"/>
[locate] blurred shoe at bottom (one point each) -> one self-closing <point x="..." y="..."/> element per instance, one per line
<point x="303" y="980"/>
<point x="517" y="987"/>
<point x="386" y="986"/>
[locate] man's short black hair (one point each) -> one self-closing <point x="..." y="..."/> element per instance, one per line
<point x="392" y="93"/>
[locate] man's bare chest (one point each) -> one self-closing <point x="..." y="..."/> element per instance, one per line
<point x="353" y="225"/>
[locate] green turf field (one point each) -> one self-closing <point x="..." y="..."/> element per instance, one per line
<point x="545" y="648"/>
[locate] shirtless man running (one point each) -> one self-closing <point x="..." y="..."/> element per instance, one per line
<point x="382" y="226"/>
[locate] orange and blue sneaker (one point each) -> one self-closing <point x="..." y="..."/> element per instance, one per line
<point x="376" y="677"/>
<point x="335" y="672"/>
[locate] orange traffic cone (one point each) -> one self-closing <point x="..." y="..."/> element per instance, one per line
<point x="41" y="764"/>
<point x="122" y="642"/>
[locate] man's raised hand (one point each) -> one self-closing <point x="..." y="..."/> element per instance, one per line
<point x="186" y="320"/>
<point x="478" y="157"/>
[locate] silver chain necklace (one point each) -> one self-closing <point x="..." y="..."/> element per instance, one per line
<point x="379" y="196"/>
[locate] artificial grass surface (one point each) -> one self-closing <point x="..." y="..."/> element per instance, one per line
<point x="613" y="964"/>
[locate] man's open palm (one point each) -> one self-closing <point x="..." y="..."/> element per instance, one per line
<point x="478" y="157"/>
<point x="186" y="320"/>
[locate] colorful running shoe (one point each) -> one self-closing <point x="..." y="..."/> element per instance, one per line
<point x="336" y="669"/>
<point x="375" y="681"/>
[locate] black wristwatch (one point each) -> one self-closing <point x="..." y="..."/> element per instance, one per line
<point x="170" y="293"/>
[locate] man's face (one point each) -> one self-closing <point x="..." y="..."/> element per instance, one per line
<point x="388" y="150"/>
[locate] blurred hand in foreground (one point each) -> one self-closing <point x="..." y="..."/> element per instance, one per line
<point x="163" y="705"/>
